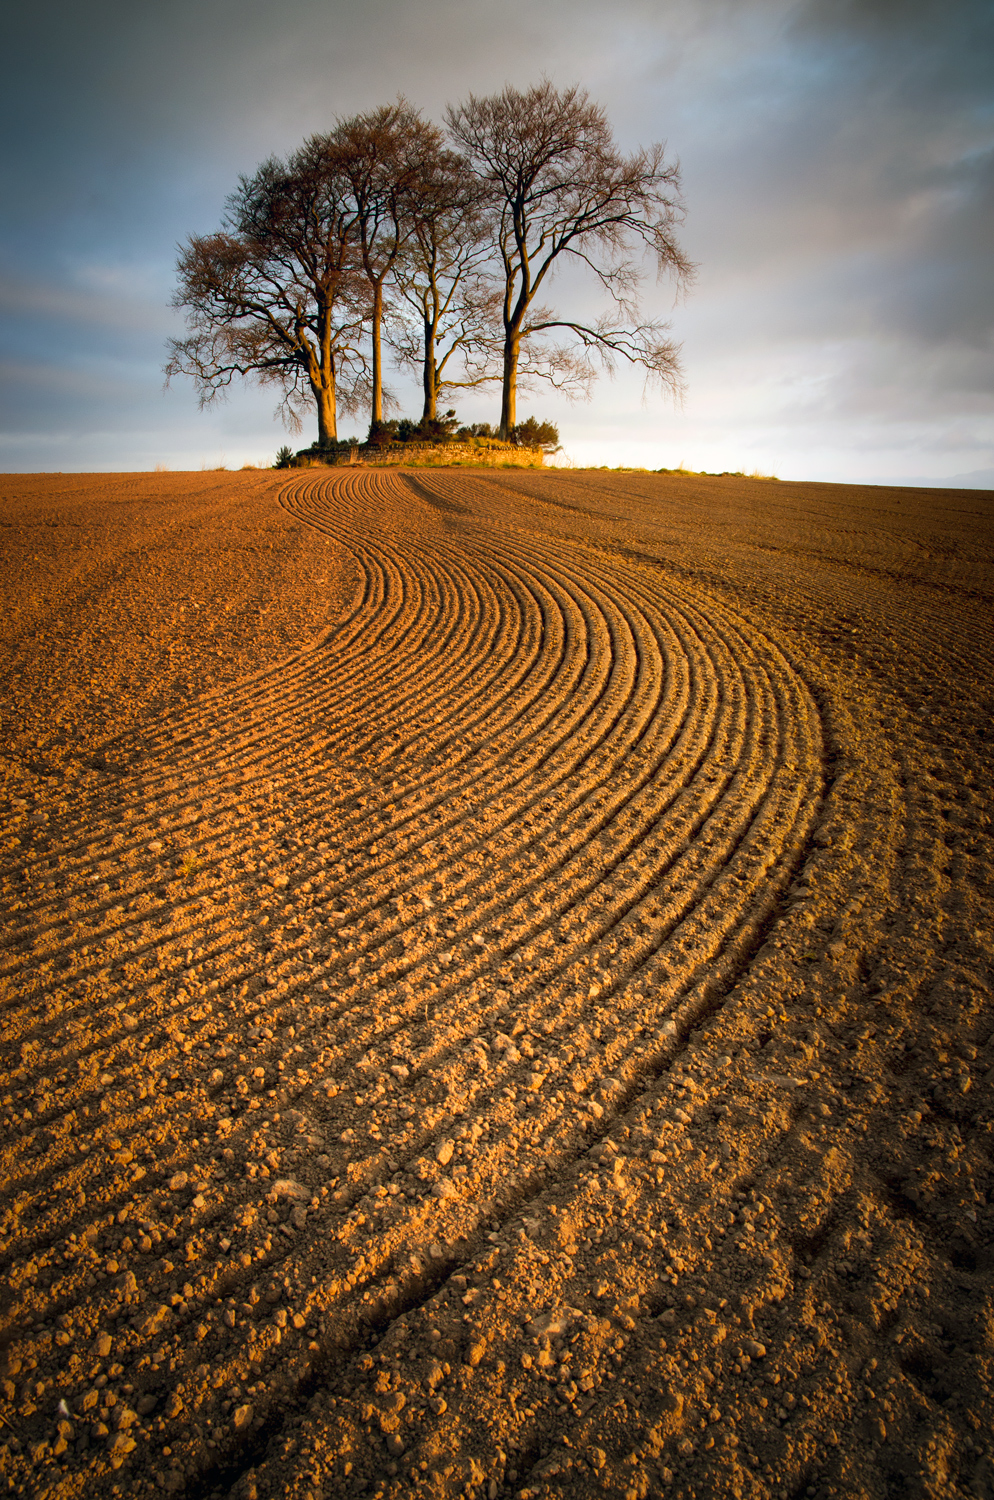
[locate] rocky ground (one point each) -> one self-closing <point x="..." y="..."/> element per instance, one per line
<point x="496" y="997"/>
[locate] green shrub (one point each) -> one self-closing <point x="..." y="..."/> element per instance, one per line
<point x="532" y="434"/>
<point x="433" y="430"/>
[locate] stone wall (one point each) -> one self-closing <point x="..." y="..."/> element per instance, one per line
<point x="429" y="455"/>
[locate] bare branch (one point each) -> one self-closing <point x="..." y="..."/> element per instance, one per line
<point x="558" y="186"/>
<point x="278" y="294"/>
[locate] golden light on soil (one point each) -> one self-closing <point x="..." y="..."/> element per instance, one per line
<point x="497" y="991"/>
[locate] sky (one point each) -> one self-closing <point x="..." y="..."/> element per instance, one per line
<point x="837" y="162"/>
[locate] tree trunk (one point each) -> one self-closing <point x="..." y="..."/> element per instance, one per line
<point x="430" y="375"/>
<point x="377" y="367"/>
<point x="508" y="405"/>
<point x="327" y="415"/>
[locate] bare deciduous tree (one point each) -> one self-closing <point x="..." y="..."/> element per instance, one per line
<point x="384" y="155"/>
<point x="278" y="293"/>
<point x="560" y="188"/>
<point x="441" y="277"/>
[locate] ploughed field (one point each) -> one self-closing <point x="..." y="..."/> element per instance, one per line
<point x="496" y="998"/>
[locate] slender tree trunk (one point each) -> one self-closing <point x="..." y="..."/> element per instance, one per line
<point x="430" y="374"/>
<point x="327" y="415"/>
<point x="377" y="367"/>
<point x="509" y="393"/>
<point x="321" y="374"/>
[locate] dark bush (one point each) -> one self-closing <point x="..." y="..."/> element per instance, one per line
<point x="284" y="458"/>
<point x="433" y="430"/>
<point x="532" y="434"/>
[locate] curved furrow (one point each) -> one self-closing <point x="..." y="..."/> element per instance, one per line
<point x="461" y="875"/>
<point x="461" y="1088"/>
<point x="315" y="703"/>
<point x="241" y="792"/>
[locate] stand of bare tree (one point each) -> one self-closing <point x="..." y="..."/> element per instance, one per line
<point x="379" y="229"/>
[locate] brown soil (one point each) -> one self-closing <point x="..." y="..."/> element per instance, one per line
<point x="497" y="997"/>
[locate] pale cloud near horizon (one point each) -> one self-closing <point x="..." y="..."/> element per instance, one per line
<point x="838" y="161"/>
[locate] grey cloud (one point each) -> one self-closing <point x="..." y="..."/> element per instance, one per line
<point x="837" y="158"/>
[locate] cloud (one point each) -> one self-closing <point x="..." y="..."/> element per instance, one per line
<point x="838" y="162"/>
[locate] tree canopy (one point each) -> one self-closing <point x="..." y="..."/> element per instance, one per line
<point x="383" y="227"/>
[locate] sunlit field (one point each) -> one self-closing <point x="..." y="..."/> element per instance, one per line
<point x="497" y="986"/>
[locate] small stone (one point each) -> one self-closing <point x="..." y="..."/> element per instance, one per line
<point x="476" y="1352"/>
<point x="445" y="1153"/>
<point x="128" y="1284"/>
<point x="103" y="1345"/>
<point x="242" y="1417"/>
<point x="445" y="1188"/>
<point x="129" y="1022"/>
<point x="174" y="1405"/>
<point x="216" y="1079"/>
<point x="400" y="1070"/>
<point x="286" y="1187"/>
<point x="178" y="1181"/>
